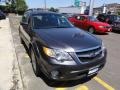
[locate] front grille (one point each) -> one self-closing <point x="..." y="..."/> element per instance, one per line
<point x="107" y="27"/>
<point x="118" y="25"/>
<point x="89" y="55"/>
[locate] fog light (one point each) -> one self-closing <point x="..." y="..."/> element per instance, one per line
<point x="54" y="74"/>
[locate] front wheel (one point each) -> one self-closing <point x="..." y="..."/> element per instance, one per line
<point x="91" y="30"/>
<point x="34" y="63"/>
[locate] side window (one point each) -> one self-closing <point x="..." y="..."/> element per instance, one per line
<point x="25" y="18"/>
<point x="30" y="24"/>
<point x="81" y="18"/>
<point x="101" y="18"/>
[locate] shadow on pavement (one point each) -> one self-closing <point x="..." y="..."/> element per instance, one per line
<point x="116" y="31"/>
<point x="102" y="33"/>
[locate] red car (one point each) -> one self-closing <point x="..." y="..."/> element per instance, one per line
<point x="90" y="23"/>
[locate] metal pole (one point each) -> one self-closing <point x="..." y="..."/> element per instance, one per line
<point x="45" y="4"/>
<point x="91" y="4"/>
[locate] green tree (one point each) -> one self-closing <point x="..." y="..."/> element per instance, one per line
<point x="119" y="13"/>
<point x="18" y="6"/>
<point x="52" y="9"/>
<point x="21" y="5"/>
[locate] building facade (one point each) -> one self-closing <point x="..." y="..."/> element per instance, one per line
<point x="113" y="8"/>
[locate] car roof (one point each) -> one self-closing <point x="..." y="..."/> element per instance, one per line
<point x="35" y="12"/>
<point x="81" y="15"/>
<point x="108" y="14"/>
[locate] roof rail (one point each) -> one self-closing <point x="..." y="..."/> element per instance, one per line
<point x="36" y="9"/>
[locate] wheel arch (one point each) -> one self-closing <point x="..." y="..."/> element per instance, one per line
<point x="91" y="26"/>
<point x="34" y="45"/>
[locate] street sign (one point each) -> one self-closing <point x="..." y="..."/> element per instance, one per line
<point x="77" y="3"/>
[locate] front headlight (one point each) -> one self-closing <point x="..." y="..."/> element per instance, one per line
<point x="59" y="55"/>
<point x="103" y="46"/>
<point x="103" y="49"/>
<point x="101" y="27"/>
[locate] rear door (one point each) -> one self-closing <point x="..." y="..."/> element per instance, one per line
<point x="24" y="29"/>
<point x="75" y="21"/>
<point x="84" y="22"/>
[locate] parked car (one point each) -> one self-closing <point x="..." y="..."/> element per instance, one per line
<point x="59" y="50"/>
<point x="108" y="18"/>
<point x="90" y="24"/>
<point x="113" y="20"/>
<point x="2" y="15"/>
<point x="116" y="25"/>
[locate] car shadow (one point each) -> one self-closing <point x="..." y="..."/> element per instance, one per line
<point x="116" y="31"/>
<point x="101" y="33"/>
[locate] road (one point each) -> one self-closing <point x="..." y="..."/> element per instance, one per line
<point x="107" y="79"/>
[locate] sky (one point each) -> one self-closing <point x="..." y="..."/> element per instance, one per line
<point x="64" y="3"/>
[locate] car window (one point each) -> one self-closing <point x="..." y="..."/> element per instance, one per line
<point x="25" y="18"/>
<point x="112" y="17"/>
<point x="118" y="18"/>
<point x="101" y="17"/>
<point x="82" y="18"/>
<point x="91" y="18"/>
<point x="50" y="21"/>
<point x="30" y="24"/>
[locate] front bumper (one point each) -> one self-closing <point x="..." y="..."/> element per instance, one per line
<point x="105" y="29"/>
<point x="116" y="28"/>
<point x="71" y="72"/>
<point x="102" y="30"/>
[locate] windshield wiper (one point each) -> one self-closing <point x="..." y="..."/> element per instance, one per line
<point x="61" y="27"/>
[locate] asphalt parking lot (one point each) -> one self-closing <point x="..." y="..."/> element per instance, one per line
<point x="107" y="79"/>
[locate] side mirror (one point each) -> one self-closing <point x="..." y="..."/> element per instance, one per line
<point x="22" y="23"/>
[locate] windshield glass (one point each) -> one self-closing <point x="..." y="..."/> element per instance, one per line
<point x="50" y="21"/>
<point x="118" y="18"/>
<point x="113" y="17"/>
<point x="91" y="18"/>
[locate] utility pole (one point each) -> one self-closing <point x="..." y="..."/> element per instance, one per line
<point x="91" y="4"/>
<point x="45" y="4"/>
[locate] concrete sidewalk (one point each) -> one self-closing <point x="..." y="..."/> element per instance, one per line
<point x="9" y="71"/>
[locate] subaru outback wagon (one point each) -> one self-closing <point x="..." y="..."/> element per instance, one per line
<point x="59" y="50"/>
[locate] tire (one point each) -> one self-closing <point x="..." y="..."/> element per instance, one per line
<point x="91" y="30"/>
<point x="34" y="63"/>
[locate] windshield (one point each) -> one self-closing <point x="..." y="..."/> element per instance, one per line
<point x="118" y="18"/>
<point x="50" y="21"/>
<point x="113" y="17"/>
<point x="91" y="18"/>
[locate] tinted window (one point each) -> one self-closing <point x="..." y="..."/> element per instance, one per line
<point x="118" y="18"/>
<point x="112" y="17"/>
<point x="50" y="21"/>
<point x="91" y="18"/>
<point x="101" y="17"/>
<point x="25" y="18"/>
<point x="80" y="18"/>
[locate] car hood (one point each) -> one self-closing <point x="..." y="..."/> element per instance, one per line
<point x="101" y="23"/>
<point x="68" y="39"/>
